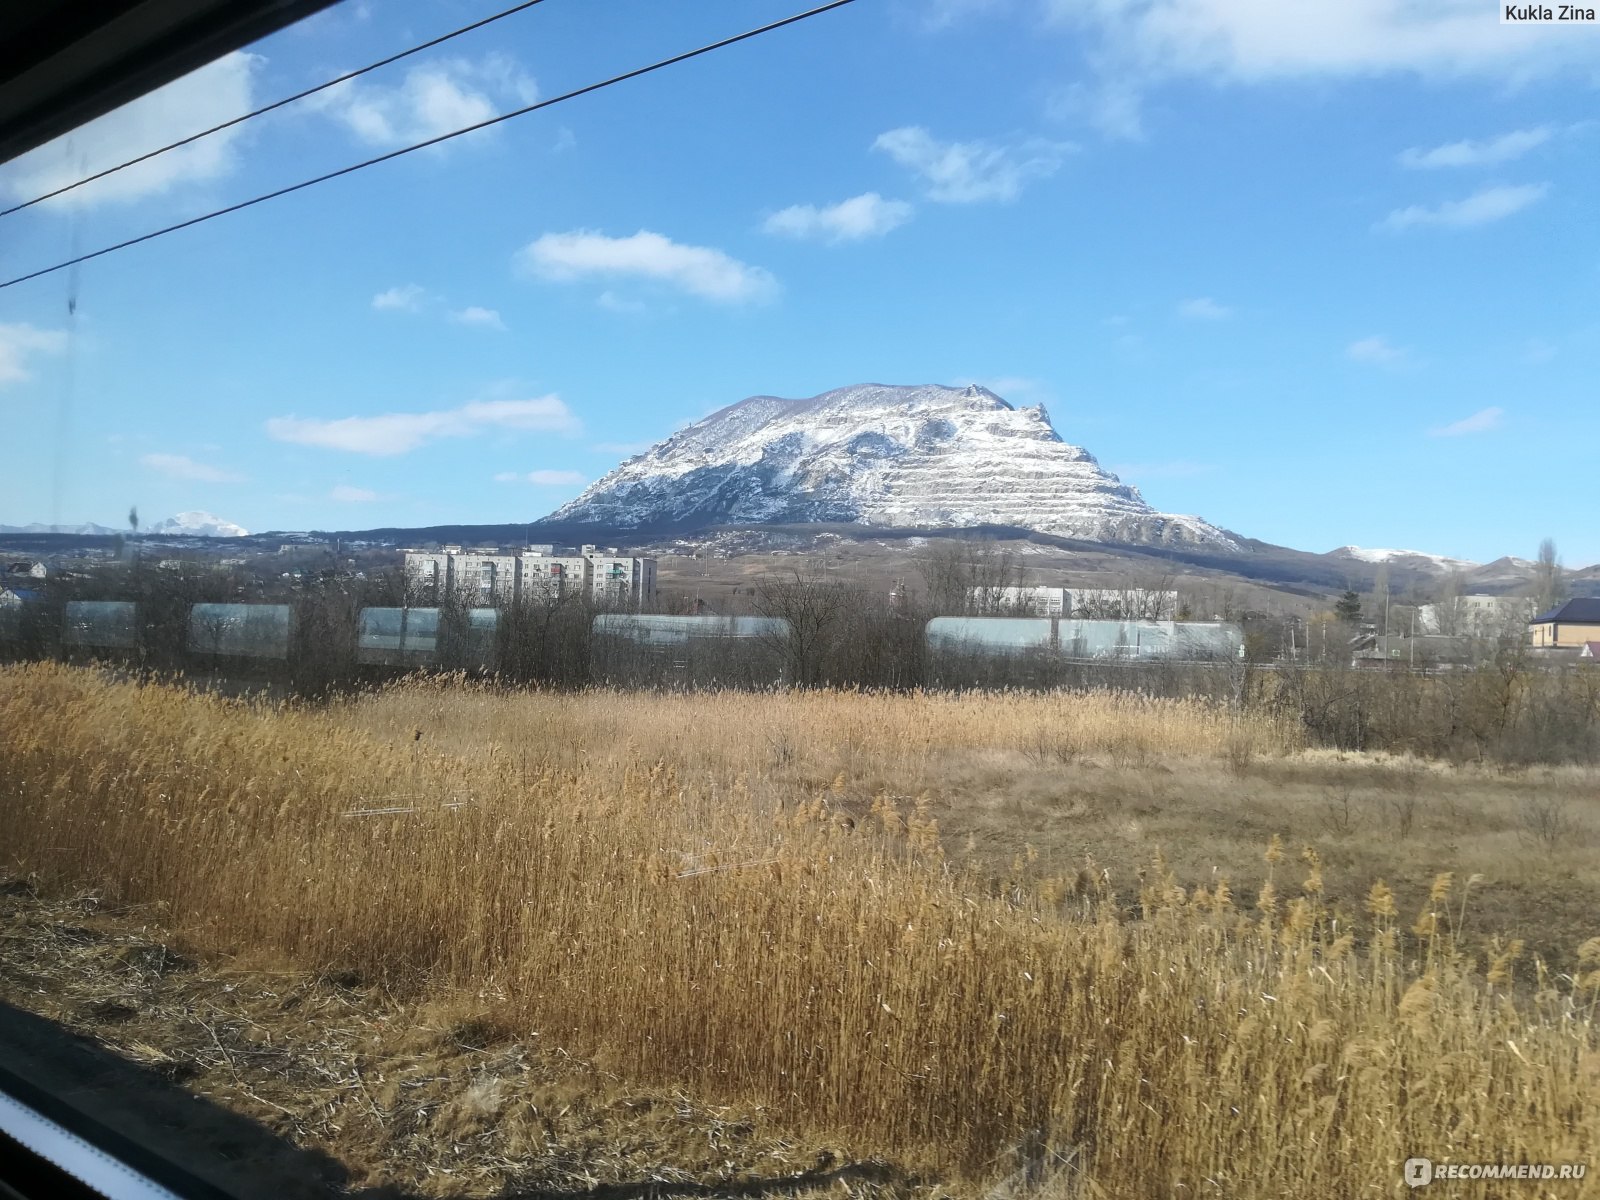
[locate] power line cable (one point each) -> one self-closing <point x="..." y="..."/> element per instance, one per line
<point x="277" y="104"/>
<point x="434" y="141"/>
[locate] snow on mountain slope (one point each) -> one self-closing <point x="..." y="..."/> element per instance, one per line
<point x="86" y="529"/>
<point x="197" y="524"/>
<point x="871" y="454"/>
<point x="1382" y="556"/>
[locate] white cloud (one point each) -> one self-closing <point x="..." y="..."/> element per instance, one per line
<point x="1204" y="308"/>
<point x="1487" y="204"/>
<point x="970" y="172"/>
<point x="433" y="99"/>
<point x="1135" y="44"/>
<point x="345" y="494"/>
<point x="1481" y="421"/>
<point x="217" y="92"/>
<point x="399" y="433"/>
<point x="485" y="318"/>
<point x="1114" y="106"/>
<point x="1256" y="40"/>
<point x="940" y="14"/>
<point x="541" y="478"/>
<point x="699" y="270"/>
<point x="1375" y="350"/>
<point x="612" y="302"/>
<point x="1539" y="351"/>
<point x="407" y="297"/>
<point x="1488" y="153"/>
<point x="863" y="216"/>
<point x="181" y="466"/>
<point x="19" y="343"/>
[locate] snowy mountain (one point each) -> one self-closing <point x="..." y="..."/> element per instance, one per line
<point x="925" y="456"/>
<point x="197" y="524"/>
<point x="1404" y="557"/>
<point x="1502" y="574"/>
<point x="87" y="529"/>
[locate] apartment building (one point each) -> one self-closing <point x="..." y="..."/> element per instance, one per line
<point x="489" y="578"/>
<point x="620" y="580"/>
<point x="1476" y="616"/>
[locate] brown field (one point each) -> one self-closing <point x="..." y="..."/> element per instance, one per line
<point x="1091" y="945"/>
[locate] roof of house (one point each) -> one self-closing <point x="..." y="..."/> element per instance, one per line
<point x="1583" y="610"/>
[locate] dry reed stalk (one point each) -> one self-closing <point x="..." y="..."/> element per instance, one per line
<point x="656" y="908"/>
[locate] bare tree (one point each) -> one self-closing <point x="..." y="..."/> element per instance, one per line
<point x="1381" y="598"/>
<point x="1549" y="586"/>
<point x="1150" y="597"/>
<point x="1448" y="610"/>
<point x="969" y="576"/>
<point x="812" y="606"/>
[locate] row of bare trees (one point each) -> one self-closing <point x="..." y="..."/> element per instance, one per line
<point x="1451" y="612"/>
<point x="963" y="577"/>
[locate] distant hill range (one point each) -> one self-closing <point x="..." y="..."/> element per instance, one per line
<point x="876" y="465"/>
<point x="185" y="524"/>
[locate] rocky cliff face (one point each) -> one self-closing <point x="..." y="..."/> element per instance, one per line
<point x="873" y="455"/>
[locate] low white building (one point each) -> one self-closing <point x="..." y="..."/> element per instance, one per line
<point x="1115" y="604"/>
<point x="1125" y="604"/>
<point x="1020" y="601"/>
<point x="488" y="579"/>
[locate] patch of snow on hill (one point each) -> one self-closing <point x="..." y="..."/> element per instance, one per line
<point x="1383" y="556"/>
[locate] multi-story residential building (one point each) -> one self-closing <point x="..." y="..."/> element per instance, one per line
<point x="484" y="579"/>
<point x="1483" y="617"/>
<point x="488" y="579"/>
<point x="621" y="580"/>
<point x="548" y="575"/>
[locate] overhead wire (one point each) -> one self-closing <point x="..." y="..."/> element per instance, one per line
<point x="434" y="141"/>
<point x="276" y="104"/>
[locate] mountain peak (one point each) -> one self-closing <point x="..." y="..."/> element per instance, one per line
<point x="197" y="524"/>
<point x="924" y="455"/>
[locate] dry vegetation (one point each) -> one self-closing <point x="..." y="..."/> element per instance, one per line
<point x="928" y="927"/>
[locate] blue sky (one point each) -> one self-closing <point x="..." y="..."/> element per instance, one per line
<point x="1320" y="272"/>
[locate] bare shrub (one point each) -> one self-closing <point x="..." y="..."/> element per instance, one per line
<point x="1340" y="810"/>
<point x="1240" y="751"/>
<point x="1404" y="798"/>
<point x="1044" y="746"/>
<point x="1547" y="819"/>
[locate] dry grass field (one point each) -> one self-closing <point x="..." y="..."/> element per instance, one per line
<point x="1089" y="945"/>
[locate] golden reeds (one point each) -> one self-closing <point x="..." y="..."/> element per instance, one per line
<point x="623" y="872"/>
